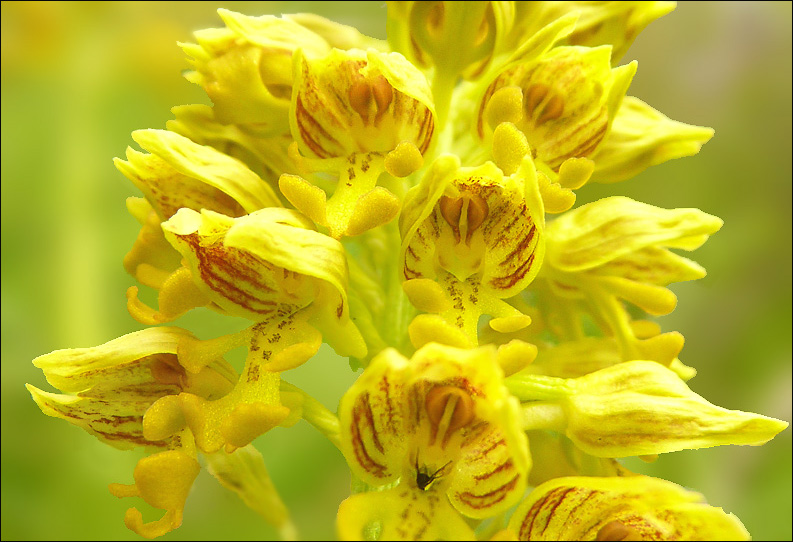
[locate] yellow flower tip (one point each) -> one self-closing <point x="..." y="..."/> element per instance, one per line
<point x="663" y="348"/>
<point x="171" y="520"/>
<point x="194" y="354"/>
<point x="509" y="147"/>
<point x="123" y="490"/>
<point x="682" y="370"/>
<point x="163" y="480"/>
<point x="249" y="420"/>
<point x="515" y="356"/>
<point x="178" y="295"/>
<point x="645" y="329"/>
<point x="510" y="324"/>
<point x="375" y="208"/>
<point x="307" y="198"/>
<point x="655" y="300"/>
<point x="163" y="418"/>
<point x="426" y="295"/>
<point x="294" y="355"/>
<point x="404" y="159"/>
<point x="506" y="105"/>
<point x="428" y="328"/>
<point x="575" y="172"/>
<point x="652" y="458"/>
<point x="555" y="197"/>
<point x="140" y="311"/>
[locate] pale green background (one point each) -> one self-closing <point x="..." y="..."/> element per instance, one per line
<point x="77" y="78"/>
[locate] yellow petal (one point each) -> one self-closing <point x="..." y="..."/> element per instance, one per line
<point x="246" y="68"/>
<point x="151" y="259"/>
<point x="371" y="414"/>
<point x="637" y="408"/>
<point x="590" y="508"/>
<point x="163" y="480"/>
<point x="570" y="98"/>
<point x="400" y="513"/>
<point x="179" y="173"/>
<point x="610" y="228"/>
<point x="360" y="102"/>
<point x="641" y="137"/>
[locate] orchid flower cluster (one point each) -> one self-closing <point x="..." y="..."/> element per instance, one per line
<point x="410" y="203"/>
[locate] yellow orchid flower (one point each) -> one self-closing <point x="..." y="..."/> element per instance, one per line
<point x="568" y="96"/>
<point x="634" y="408"/>
<point x="180" y="173"/>
<point x="265" y="156"/>
<point x="358" y="113"/>
<point x="428" y="33"/>
<point x="269" y="267"/>
<point x="571" y="359"/>
<point x="629" y="508"/>
<point x="641" y="137"/>
<point x="571" y="104"/>
<point x="470" y="237"/>
<point x="246" y="68"/>
<point x="618" y="249"/>
<point x="113" y="385"/>
<point x="440" y="426"/>
<point x="597" y="23"/>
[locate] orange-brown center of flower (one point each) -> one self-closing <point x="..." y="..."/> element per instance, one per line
<point x="541" y="104"/>
<point x="464" y="214"/>
<point x="449" y="408"/>
<point x="166" y="370"/>
<point x="615" y="531"/>
<point x="371" y="98"/>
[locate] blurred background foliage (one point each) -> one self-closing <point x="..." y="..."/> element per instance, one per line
<point x="78" y="77"/>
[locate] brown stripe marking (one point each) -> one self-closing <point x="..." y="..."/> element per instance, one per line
<point x="359" y="447"/>
<point x="523" y="245"/>
<point x="301" y="114"/>
<point x="495" y="496"/>
<point x="507" y="465"/>
<point x="508" y="281"/>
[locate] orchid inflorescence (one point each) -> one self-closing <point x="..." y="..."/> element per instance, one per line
<point x="410" y="203"/>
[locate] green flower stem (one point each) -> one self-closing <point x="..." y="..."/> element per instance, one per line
<point x="443" y="85"/>
<point x="612" y="311"/>
<point x="529" y="387"/>
<point x="315" y="413"/>
<point x="398" y="311"/>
